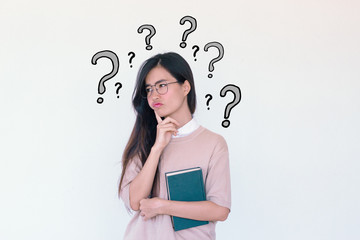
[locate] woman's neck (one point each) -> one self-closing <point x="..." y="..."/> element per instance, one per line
<point x="182" y="118"/>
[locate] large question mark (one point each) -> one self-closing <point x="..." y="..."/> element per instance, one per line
<point x="193" y="24"/>
<point x="131" y="58"/>
<point x="208" y="101"/>
<point x="196" y="47"/>
<point x="115" y="68"/>
<point x="237" y="98"/>
<point x="218" y="58"/>
<point x="149" y="36"/>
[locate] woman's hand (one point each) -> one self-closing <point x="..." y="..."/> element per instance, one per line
<point x="150" y="207"/>
<point x="165" y="129"/>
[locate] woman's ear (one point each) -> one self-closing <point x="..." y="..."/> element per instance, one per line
<point x="186" y="87"/>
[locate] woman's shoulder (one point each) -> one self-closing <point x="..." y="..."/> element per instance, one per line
<point x="201" y="136"/>
<point x="211" y="136"/>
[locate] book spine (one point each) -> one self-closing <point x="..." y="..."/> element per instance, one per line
<point x="168" y="193"/>
<point x="202" y="186"/>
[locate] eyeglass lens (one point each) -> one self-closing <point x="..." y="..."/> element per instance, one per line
<point x="161" y="88"/>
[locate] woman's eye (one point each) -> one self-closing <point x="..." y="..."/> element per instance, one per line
<point x="161" y="85"/>
<point x="148" y="90"/>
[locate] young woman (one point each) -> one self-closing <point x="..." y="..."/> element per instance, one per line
<point x="166" y="138"/>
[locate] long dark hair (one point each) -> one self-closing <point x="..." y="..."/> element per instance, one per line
<point x="143" y="135"/>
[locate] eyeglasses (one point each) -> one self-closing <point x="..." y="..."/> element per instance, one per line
<point x="161" y="88"/>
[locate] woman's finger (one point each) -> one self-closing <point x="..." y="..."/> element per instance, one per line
<point x="158" y="118"/>
<point x="166" y="125"/>
<point x="170" y="120"/>
<point x="169" y="129"/>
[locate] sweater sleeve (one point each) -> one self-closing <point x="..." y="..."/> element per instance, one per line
<point x="218" y="188"/>
<point x="132" y="170"/>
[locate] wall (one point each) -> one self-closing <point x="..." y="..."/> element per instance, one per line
<point x="293" y="138"/>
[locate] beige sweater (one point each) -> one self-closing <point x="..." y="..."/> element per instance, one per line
<point x="202" y="148"/>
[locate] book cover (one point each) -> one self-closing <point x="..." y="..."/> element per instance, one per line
<point x="185" y="185"/>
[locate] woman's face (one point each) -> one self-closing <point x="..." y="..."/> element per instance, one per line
<point x="172" y="103"/>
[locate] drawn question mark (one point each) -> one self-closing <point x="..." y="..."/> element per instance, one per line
<point x="115" y="68"/>
<point x="131" y="58"/>
<point x="208" y="101"/>
<point x="119" y="85"/>
<point x="193" y="24"/>
<point x="149" y="36"/>
<point x="237" y="98"/>
<point x="196" y="47"/>
<point x="218" y="58"/>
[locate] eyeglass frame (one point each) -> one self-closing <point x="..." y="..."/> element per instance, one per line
<point x="157" y="90"/>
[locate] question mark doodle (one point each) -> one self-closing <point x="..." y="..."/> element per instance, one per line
<point x="196" y="47"/>
<point x="221" y="54"/>
<point x="193" y="24"/>
<point x="149" y="36"/>
<point x="208" y="101"/>
<point x="118" y="88"/>
<point x="237" y="93"/>
<point x="131" y="58"/>
<point x="115" y="68"/>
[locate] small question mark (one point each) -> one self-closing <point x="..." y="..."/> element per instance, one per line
<point x="237" y="93"/>
<point x="221" y="54"/>
<point x="115" y="68"/>
<point x="208" y="101"/>
<point x="119" y="85"/>
<point x="131" y="58"/>
<point x="149" y="36"/>
<point x="190" y="30"/>
<point x="196" y="47"/>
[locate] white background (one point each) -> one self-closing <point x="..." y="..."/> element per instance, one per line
<point x="293" y="139"/>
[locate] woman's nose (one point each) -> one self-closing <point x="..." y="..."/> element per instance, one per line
<point x="155" y="94"/>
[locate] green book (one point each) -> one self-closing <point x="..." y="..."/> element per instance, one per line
<point x="185" y="185"/>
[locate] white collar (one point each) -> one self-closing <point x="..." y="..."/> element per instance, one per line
<point x="187" y="129"/>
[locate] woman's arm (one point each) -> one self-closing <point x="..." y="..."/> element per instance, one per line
<point x="202" y="210"/>
<point x="141" y="186"/>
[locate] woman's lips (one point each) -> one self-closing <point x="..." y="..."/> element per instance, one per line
<point x="157" y="105"/>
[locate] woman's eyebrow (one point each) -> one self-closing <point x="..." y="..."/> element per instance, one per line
<point x="162" y="80"/>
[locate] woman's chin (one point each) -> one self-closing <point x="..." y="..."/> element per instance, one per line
<point x="161" y="112"/>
